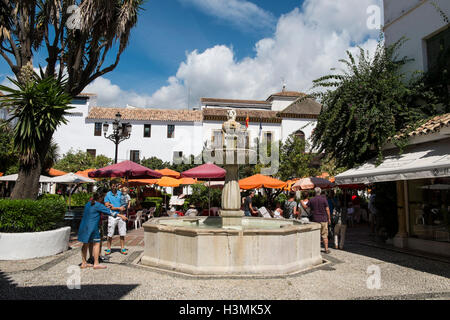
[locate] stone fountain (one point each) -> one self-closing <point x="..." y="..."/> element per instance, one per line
<point x="231" y="244"/>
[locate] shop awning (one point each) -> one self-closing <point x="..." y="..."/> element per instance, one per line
<point x="421" y="161"/>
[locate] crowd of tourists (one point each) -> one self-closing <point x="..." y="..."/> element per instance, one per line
<point x="333" y="212"/>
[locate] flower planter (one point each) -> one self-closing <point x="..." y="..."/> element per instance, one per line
<point x="28" y="245"/>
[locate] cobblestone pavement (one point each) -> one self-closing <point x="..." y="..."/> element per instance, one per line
<point x="404" y="275"/>
<point x="135" y="237"/>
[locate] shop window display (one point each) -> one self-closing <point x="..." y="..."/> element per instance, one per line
<point x="429" y="209"/>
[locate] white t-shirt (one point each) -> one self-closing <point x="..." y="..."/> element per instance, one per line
<point x="277" y="213"/>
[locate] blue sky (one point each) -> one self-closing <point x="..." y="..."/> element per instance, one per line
<point x="167" y="29"/>
<point x="230" y="49"/>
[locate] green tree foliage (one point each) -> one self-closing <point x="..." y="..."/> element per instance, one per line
<point x="201" y="194"/>
<point x="79" y="49"/>
<point x="154" y="163"/>
<point x="50" y="158"/>
<point x="38" y="106"/>
<point x="366" y="104"/>
<point x="295" y="160"/>
<point x="77" y="161"/>
<point x="8" y="157"/>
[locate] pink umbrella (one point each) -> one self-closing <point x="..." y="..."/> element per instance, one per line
<point x="311" y="183"/>
<point x="206" y="171"/>
<point x="126" y="169"/>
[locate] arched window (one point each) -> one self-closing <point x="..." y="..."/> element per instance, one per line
<point x="300" y="134"/>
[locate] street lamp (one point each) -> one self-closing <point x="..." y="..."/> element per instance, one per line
<point x="121" y="132"/>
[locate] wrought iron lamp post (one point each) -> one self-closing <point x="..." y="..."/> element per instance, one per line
<point x="121" y="132"/>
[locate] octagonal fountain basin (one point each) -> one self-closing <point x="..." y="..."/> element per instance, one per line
<point x="259" y="246"/>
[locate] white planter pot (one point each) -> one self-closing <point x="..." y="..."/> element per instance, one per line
<point x="28" y="245"/>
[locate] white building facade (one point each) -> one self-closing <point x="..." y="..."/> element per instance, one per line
<point x="171" y="134"/>
<point x="421" y="23"/>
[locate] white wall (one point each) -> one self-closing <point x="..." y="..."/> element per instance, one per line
<point x="418" y="25"/>
<point x="396" y="8"/>
<point x="279" y="104"/>
<point x="79" y="134"/>
<point x="291" y="125"/>
<point x="253" y="130"/>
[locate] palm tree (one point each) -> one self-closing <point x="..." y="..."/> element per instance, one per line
<point x="50" y="158"/>
<point x="80" y="49"/>
<point x="39" y="105"/>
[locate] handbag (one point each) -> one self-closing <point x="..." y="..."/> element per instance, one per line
<point x="336" y="217"/>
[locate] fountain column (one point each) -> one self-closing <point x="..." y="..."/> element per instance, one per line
<point x="231" y="212"/>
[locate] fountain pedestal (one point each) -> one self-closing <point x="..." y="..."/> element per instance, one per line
<point x="231" y="212"/>
<point x="231" y="244"/>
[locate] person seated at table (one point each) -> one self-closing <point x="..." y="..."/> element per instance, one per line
<point x="191" y="212"/>
<point x="278" y="212"/>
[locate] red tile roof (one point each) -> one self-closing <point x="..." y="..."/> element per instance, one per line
<point x="146" y="114"/>
<point x="237" y="101"/>
<point x="431" y="126"/>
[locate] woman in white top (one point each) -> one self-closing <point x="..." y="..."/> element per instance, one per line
<point x="304" y="213"/>
<point x="278" y="212"/>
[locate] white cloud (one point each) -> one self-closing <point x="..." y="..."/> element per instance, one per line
<point x="306" y="44"/>
<point x="243" y="14"/>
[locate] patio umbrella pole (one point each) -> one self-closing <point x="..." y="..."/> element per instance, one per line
<point x="70" y="196"/>
<point x="209" y="198"/>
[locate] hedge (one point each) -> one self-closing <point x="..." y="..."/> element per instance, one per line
<point x="31" y="216"/>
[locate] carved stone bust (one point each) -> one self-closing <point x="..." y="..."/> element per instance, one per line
<point x="232" y="131"/>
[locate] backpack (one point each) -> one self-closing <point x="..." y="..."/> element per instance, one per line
<point x="289" y="209"/>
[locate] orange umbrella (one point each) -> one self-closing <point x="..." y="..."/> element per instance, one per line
<point x="187" y="181"/>
<point x="142" y="182"/>
<point x="289" y="184"/>
<point x="56" y="173"/>
<point x="168" y="182"/>
<point x="259" y="181"/>
<point x="166" y="172"/>
<point x="84" y="173"/>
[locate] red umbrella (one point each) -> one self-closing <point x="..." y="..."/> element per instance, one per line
<point x="126" y="169"/>
<point x="206" y="171"/>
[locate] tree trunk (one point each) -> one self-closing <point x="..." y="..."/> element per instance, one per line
<point x="27" y="184"/>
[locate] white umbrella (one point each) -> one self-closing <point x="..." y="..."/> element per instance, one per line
<point x="13" y="177"/>
<point x="71" y="179"/>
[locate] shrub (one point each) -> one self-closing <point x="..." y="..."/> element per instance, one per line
<point x="30" y="215"/>
<point x="47" y="196"/>
<point x="79" y="199"/>
<point x="281" y="198"/>
<point x="201" y="195"/>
